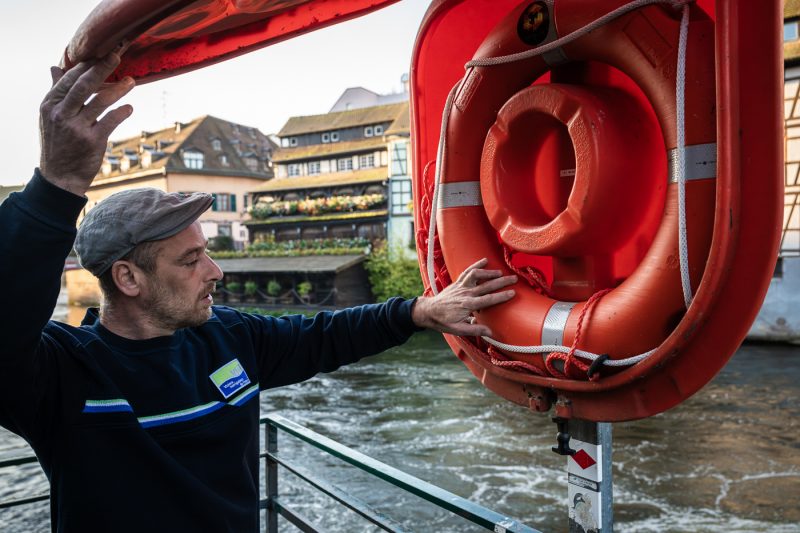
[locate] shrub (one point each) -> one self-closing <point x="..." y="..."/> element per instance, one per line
<point x="250" y="288"/>
<point x="234" y="287"/>
<point x="393" y="276"/>
<point x="273" y="288"/>
<point x="304" y="288"/>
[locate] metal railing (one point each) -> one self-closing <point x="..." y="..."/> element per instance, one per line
<point x="274" y="505"/>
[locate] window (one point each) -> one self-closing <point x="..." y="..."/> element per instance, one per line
<point x="334" y="136"/>
<point x="216" y="144"/>
<point x="401" y="196"/>
<point x="193" y="159"/>
<point x="366" y="161"/>
<point x="368" y="131"/>
<point x="285" y="142"/>
<point x="224" y="230"/>
<point x="223" y="160"/>
<point x="251" y="163"/>
<point x="292" y="141"/>
<point x="400" y="159"/>
<point x="147" y="159"/>
<point x="378" y="130"/>
<point x="124" y="164"/>
<point x="326" y="137"/>
<point x="293" y="169"/>
<point x="313" y="168"/>
<point x="223" y="202"/>
<point x="790" y="31"/>
<point x="344" y="164"/>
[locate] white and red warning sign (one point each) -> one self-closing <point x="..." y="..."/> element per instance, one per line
<point x="584" y="473"/>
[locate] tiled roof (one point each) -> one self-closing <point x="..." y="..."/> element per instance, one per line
<point x="166" y="146"/>
<point x="402" y="122"/>
<point x="791" y="9"/>
<point x="334" y="179"/>
<point x="341" y="119"/>
<point x="321" y="150"/>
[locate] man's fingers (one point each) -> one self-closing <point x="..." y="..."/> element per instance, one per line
<point x="106" y="97"/>
<point x="112" y="119"/>
<point x="55" y="74"/>
<point x="494" y="285"/>
<point x="65" y="82"/>
<point x="488" y="300"/>
<point x="470" y="330"/>
<point x="88" y="83"/>
<point x="478" y="264"/>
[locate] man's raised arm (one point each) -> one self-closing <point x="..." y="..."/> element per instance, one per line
<point x="39" y="222"/>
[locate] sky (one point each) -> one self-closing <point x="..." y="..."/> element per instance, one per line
<point x="302" y="76"/>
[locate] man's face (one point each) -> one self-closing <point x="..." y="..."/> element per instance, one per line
<point x="178" y="293"/>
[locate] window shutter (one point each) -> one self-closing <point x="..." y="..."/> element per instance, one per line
<point x="233" y="203"/>
<point x="213" y="201"/>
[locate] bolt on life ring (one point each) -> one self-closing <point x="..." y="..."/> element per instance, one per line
<point x="574" y="183"/>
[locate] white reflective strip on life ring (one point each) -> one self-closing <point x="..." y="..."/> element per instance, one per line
<point x="460" y="194"/>
<point x="701" y="162"/>
<point x="555" y="322"/>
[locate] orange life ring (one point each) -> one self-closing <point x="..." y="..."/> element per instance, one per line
<point x="573" y="177"/>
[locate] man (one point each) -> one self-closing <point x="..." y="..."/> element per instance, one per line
<point x="146" y="417"/>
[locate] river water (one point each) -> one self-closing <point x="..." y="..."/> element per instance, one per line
<point x="728" y="459"/>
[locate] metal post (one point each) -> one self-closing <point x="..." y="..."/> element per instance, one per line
<point x="271" y="475"/>
<point x="589" y="484"/>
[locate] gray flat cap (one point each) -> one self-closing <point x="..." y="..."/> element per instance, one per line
<point x="117" y="224"/>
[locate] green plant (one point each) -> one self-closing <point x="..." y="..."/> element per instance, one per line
<point x="250" y="288"/>
<point x="392" y="274"/>
<point x="221" y="243"/>
<point x="273" y="288"/>
<point x="304" y="288"/>
<point x="234" y="287"/>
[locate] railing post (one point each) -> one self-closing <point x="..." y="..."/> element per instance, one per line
<point x="271" y="475"/>
<point x="590" y="487"/>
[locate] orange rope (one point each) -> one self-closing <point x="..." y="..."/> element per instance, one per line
<point x="533" y="276"/>
<point x="569" y="359"/>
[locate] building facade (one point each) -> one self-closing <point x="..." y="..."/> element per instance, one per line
<point x="206" y="154"/>
<point x="343" y="174"/>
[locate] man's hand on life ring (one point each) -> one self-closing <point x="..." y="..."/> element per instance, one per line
<point x="451" y="310"/>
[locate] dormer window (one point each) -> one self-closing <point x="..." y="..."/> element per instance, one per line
<point x="368" y="131"/>
<point x="378" y="130"/>
<point x="147" y="159"/>
<point x="223" y="160"/>
<point x="216" y="144"/>
<point x="334" y="136"/>
<point x="106" y="168"/>
<point x="326" y="137"/>
<point x="292" y="141"/>
<point x="193" y="159"/>
<point x="251" y="163"/>
<point x="124" y="164"/>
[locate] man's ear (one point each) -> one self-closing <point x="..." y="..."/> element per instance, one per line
<point x="127" y="277"/>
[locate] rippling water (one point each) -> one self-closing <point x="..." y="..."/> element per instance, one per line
<point x="725" y="460"/>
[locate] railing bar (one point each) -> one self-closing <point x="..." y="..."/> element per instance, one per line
<point x="355" y="504"/>
<point x="24" y="501"/>
<point x="456" y="504"/>
<point x="16" y="461"/>
<point x="298" y="520"/>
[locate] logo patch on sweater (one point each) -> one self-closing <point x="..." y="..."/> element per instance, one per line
<point x="230" y="378"/>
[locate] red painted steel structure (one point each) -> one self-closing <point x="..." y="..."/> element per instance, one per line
<point x="171" y="37"/>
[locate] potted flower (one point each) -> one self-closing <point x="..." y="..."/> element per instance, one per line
<point x="234" y="290"/>
<point x="304" y="290"/>
<point x="250" y="290"/>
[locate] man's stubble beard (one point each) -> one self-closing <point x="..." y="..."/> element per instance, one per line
<point x="170" y="310"/>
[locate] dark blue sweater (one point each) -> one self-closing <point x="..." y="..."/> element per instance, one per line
<point x="154" y="435"/>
